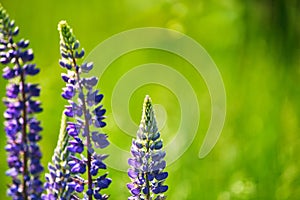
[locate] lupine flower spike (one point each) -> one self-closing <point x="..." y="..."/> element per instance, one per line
<point x="147" y="162"/>
<point x="59" y="171"/>
<point x="21" y="127"/>
<point x="87" y="118"/>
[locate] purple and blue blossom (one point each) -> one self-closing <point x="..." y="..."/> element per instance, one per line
<point x="21" y="127"/>
<point x="87" y="116"/>
<point x="58" y="176"/>
<point x="147" y="163"/>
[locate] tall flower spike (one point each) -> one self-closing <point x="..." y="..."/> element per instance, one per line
<point x="87" y="117"/>
<point x="21" y="127"/>
<point x="59" y="173"/>
<point x="147" y="163"/>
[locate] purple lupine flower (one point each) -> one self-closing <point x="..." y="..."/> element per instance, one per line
<point x="88" y="116"/>
<point x="58" y="176"/>
<point x="21" y="127"/>
<point x="147" y="163"/>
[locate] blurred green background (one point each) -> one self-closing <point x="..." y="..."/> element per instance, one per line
<point x="256" y="46"/>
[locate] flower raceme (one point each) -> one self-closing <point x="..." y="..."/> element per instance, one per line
<point x="21" y="127"/>
<point x="88" y="117"/>
<point x="57" y="178"/>
<point x="147" y="162"/>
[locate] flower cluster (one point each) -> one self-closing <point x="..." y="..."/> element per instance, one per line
<point x="147" y="164"/>
<point x="59" y="174"/>
<point x="88" y="117"/>
<point x="21" y="127"/>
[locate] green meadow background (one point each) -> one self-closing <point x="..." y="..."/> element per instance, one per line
<point x="255" y="45"/>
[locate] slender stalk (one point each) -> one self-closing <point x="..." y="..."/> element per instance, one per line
<point x="24" y="124"/>
<point x="89" y="156"/>
<point x="24" y="135"/>
<point x="90" y="181"/>
<point x="90" y="184"/>
<point x="147" y="174"/>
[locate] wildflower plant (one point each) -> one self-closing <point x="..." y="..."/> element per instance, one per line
<point x="147" y="163"/>
<point x="88" y="117"/>
<point x="76" y="170"/>
<point x="21" y="126"/>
